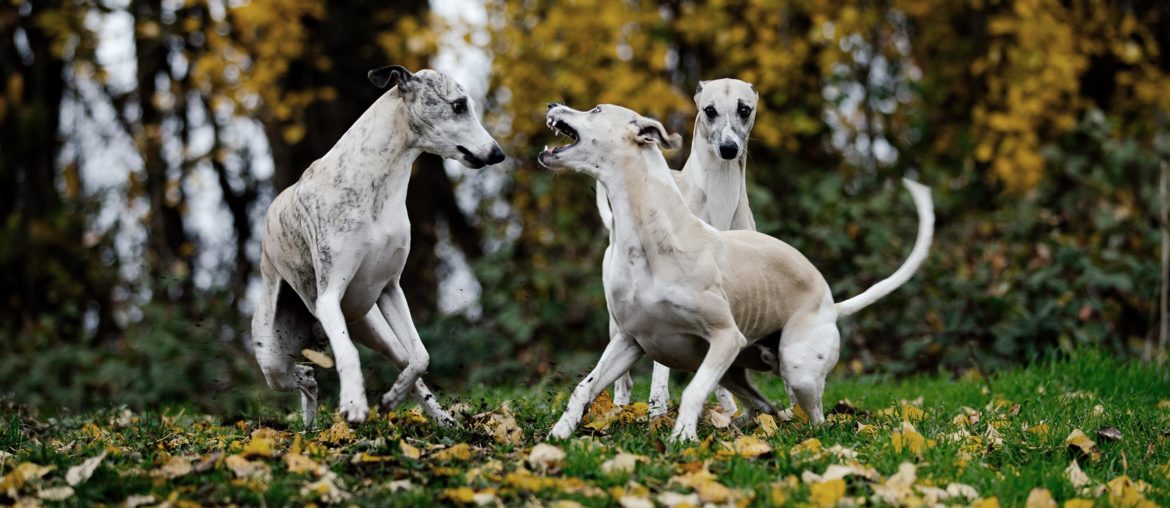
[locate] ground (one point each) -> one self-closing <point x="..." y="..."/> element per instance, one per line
<point x="1086" y="428"/>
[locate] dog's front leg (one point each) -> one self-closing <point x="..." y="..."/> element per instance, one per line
<point x="659" y="390"/>
<point x="619" y="356"/>
<point x="397" y="313"/>
<point x="726" y="343"/>
<point x="353" y="403"/>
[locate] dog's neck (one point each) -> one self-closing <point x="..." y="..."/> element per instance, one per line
<point x="376" y="153"/>
<point x="648" y="208"/>
<point x="722" y="180"/>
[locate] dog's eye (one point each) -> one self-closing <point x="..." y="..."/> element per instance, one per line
<point x="745" y="112"/>
<point x="595" y="110"/>
<point x="459" y="106"/>
<point x="710" y="111"/>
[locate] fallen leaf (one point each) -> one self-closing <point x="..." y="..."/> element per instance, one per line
<point x="1109" y="434"/>
<point x="827" y="494"/>
<point x="909" y="439"/>
<point x="897" y="488"/>
<point x="750" y="447"/>
<point x="320" y="359"/>
<point x="811" y="445"/>
<point x="461" y="451"/>
<point x="635" y="502"/>
<point x="704" y="484"/>
<point x="15" y="479"/>
<point x="1040" y="498"/>
<point x="622" y="463"/>
<point x="838" y="472"/>
<point x="962" y="490"/>
<point x="990" y="502"/>
<point x="1079" y="503"/>
<point x="329" y="489"/>
<point x="1040" y="429"/>
<point x="336" y="433"/>
<point x="248" y="470"/>
<point x="716" y="418"/>
<point x="767" y="424"/>
<point x="55" y="493"/>
<point x="545" y="457"/>
<point x="175" y="467"/>
<point x="1075" y="476"/>
<point x="500" y="425"/>
<point x="259" y="447"/>
<point x="138" y="500"/>
<point x="1079" y="442"/>
<point x="398" y="485"/>
<point x="80" y="473"/>
<point x="299" y="464"/>
<point x="672" y="499"/>
<point x="409" y="451"/>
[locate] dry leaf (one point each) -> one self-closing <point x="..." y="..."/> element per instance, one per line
<point x="461" y="451"/>
<point x="672" y="499"/>
<point x="55" y="493"/>
<point x="545" y="457"/>
<point x="409" y="451"/>
<point x="635" y="502"/>
<point x="827" y="494"/>
<point x="259" y="447"/>
<point x="1079" y="503"/>
<point x="897" y="488"/>
<point x="622" y="463"/>
<point x="716" y="418"/>
<point x="329" y="489"/>
<point x="991" y="502"/>
<point x="337" y="433"/>
<point x="962" y="490"/>
<point x="909" y="439"/>
<point x="838" y="472"/>
<point x="1040" y="498"/>
<point x="175" y="467"/>
<point x="767" y="424"/>
<point x="1109" y="434"/>
<point x="1076" y="477"/>
<point x="500" y="425"/>
<point x="298" y="464"/>
<point x="248" y="470"/>
<point x="138" y="500"/>
<point x="80" y="473"/>
<point x="1078" y="441"/>
<point x="320" y="359"/>
<point x="398" y="485"/>
<point x="750" y="447"/>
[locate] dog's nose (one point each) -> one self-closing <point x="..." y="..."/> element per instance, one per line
<point x="497" y="156"/>
<point x="728" y="150"/>
<point x="552" y="105"/>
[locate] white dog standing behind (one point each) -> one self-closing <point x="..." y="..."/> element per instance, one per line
<point x="698" y="299"/>
<point x="335" y="242"/>
<point x="713" y="183"/>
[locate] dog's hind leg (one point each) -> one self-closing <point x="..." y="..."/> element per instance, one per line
<point x="280" y="327"/>
<point x="659" y="390"/>
<point x="393" y="306"/>
<point x="740" y="383"/>
<point x="373" y="331"/>
<point x="619" y="356"/>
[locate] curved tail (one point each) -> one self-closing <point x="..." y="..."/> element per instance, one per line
<point x="925" y="207"/>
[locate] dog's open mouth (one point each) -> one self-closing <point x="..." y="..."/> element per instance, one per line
<point x="562" y="129"/>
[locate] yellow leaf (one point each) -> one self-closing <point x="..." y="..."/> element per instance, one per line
<point x="1124" y="492"/>
<point x="811" y="445"/>
<point x="1079" y="503"/>
<point x="259" y="447"/>
<point x="750" y="447"/>
<point x="909" y="439"/>
<point x="320" y="359"/>
<point x="337" y="433"/>
<point x="500" y="424"/>
<point x="409" y="451"/>
<point x="1040" y="498"/>
<point x="767" y="424"/>
<point x="990" y="502"/>
<point x="827" y="494"/>
<point x="461" y="451"/>
<point x="248" y="470"/>
<point x="298" y="464"/>
<point x="1040" y="429"/>
<point x="175" y="467"/>
<point x="1078" y="440"/>
<point x="912" y="414"/>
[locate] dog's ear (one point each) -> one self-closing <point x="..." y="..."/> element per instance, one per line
<point x="699" y="91"/>
<point x="391" y="76"/>
<point x="649" y="130"/>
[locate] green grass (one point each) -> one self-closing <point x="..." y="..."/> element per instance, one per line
<point x="1088" y="392"/>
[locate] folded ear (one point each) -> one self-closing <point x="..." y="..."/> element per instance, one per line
<point x="391" y="76"/>
<point x="649" y="130"/>
<point x="699" y="91"/>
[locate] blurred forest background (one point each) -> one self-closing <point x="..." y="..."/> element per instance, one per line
<point x="141" y="141"/>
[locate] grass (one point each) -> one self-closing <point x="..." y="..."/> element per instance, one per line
<point x="374" y="464"/>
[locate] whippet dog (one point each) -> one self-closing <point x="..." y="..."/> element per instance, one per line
<point x="695" y="298"/>
<point x="335" y="242"/>
<point x="713" y="183"/>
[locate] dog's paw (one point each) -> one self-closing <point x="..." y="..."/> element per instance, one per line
<point x="562" y="430"/>
<point x="684" y="433"/>
<point x="392" y="399"/>
<point x="354" y="410"/>
<point x="658" y="408"/>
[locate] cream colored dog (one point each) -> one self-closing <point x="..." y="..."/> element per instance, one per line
<point x="713" y="183"/>
<point x="692" y="297"/>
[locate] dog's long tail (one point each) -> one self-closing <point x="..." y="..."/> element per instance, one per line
<point x="925" y="207"/>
